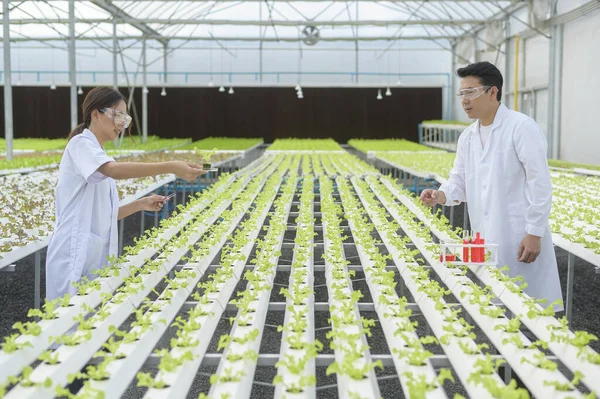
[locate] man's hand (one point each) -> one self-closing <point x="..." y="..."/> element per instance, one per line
<point x="530" y="248"/>
<point x="433" y="197"/>
<point x="152" y="203"/>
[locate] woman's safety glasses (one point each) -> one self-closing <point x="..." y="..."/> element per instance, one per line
<point x="119" y="118"/>
<point x="472" y="93"/>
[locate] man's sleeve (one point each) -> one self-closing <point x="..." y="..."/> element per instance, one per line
<point x="531" y="147"/>
<point x="454" y="187"/>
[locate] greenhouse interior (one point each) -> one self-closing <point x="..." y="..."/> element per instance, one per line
<point x="300" y="199"/>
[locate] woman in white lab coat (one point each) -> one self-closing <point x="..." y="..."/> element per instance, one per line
<point x="501" y="171"/>
<point x="87" y="203"/>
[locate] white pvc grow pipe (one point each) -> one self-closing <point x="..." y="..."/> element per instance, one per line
<point x="12" y="364"/>
<point x="390" y="326"/>
<point x="532" y="376"/>
<point x="463" y="364"/>
<point x="242" y="388"/>
<point x="367" y="387"/>
<point x="309" y="335"/>
<point x="567" y="353"/>
<point x="58" y="326"/>
<point x="73" y="358"/>
<point x="181" y="379"/>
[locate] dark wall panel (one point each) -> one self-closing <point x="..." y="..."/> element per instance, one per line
<point x="41" y="112"/>
<point x="340" y="113"/>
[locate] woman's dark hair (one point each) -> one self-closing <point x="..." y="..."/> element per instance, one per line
<point x="487" y="73"/>
<point x="97" y="98"/>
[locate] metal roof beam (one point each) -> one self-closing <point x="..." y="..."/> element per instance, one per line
<point x="305" y="1"/>
<point x="120" y="14"/>
<point x="241" y="39"/>
<point x="501" y="14"/>
<point x="134" y="21"/>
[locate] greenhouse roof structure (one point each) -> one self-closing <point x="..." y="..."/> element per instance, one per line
<point x="255" y="21"/>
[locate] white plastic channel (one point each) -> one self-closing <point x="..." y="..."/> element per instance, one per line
<point x="123" y="371"/>
<point x="12" y="364"/>
<point x="418" y="173"/>
<point x="327" y="166"/>
<point x="356" y="166"/>
<point x="368" y="387"/>
<point x="462" y="363"/>
<point x="73" y="358"/>
<point x="540" y="326"/>
<point x="243" y="388"/>
<point x="532" y="376"/>
<point x="391" y="325"/>
<point x="93" y="299"/>
<point x="306" y="282"/>
<point x="180" y="380"/>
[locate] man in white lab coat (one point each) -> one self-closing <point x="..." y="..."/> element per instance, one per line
<point x="501" y="171"/>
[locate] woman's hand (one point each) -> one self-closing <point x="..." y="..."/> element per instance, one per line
<point x="152" y="203"/>
<point x="187" y="171"/>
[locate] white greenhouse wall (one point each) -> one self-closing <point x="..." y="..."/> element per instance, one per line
<point x="419" y="63"/>
<point x="328" y="64"/>
<point x="536" y="56"/>
<point x="580" y="130"/>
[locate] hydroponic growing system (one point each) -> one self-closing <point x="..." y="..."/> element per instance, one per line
<point x="222" y="252"/>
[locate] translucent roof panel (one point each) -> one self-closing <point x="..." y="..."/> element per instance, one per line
<point x="254" y="20"/>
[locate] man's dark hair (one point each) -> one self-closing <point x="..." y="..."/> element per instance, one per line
<point x="487" y="73"/>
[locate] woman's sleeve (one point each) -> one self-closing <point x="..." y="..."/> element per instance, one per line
<point x="88" y="157"/>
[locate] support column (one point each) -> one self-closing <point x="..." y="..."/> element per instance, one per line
<point x="72" y="64"/>
<point x="116" y="142"/>
<point x="114" y="54"/>
<point x="144" y="95"/>
<point x="356" y="48"/>
<point x="37" y="279"/>
<point x="8" y="104"/>
<point x="555" y="89"/>
<point x="452" y="87"/>
<point x="260" y="46"/>
<point x="507" y="60"/>
<point x="570" y="278"/>
<point x="165" y="66"/>
<point x="121" y="231"/>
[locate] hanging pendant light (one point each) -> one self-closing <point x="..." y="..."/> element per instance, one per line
<point x="52" y="86"/>
<point x="211" y="83"/>
<point x="379" y="96"/>
<point x="222" y="89"/>
<point x="398" y="82"/>
<point x="145" y="90"/>
<point x="298" y="88"/>
<point x="231" y="90"/>
<point x="388" y="92"/>
<point x="163" y="92"/>
<point x="80" y="91"/>
<point x="300" y="95"/>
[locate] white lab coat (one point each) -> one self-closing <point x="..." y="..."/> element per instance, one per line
<point x="508" y="190"/>
<point x="87" y="206"/>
